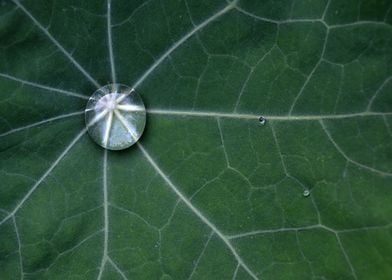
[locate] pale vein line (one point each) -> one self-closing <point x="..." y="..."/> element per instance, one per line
<point x="46" y="174"/>
<point x="377" y="92"/>
<point x="19" y="248"/>
<point x="106" y="214"/>
<point x="110" y="42"/>
<point x="346" y="256"/>
<point x="53" y="166"/>
<point x="181" y="41"/>
<point x="86" y="239"/>
<point x="201" y="255"/>
<point x="250" y="74"/>
<point x="284" y="21"/>
<point x="134" y="12"/>
<point x="57" y="44"/>
<point x="117" y="268"/>
<point x="272" y="231"/>
<point x="41" y="122"/>
<point x="359" y="23"/>
<point x="244" y="85"/>
<point x="325" y="11"/>
<point x="315" y="20"/>
<point x="256" y="117"/>
<point x="387" y="125"/>
<point x="133" y="214"/>
<point x="109" y="122"/>
<point x="130" y="108"/>
<point x="279" y="151"/>
<point x="223" y="143"/>
<point x="123" y="121"/>
<point x="382" y="173"/>
<point x="236" y="272"/>
<point x="310" y="76"/>
<point x="240" y="10"/>
<point x="195" y="210"/>
<point x="310" y="227"/>
<point x="48" y="88"/>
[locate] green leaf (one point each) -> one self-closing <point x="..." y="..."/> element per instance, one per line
<point x="208" y="192"/>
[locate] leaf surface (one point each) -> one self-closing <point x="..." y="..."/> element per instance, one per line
<point x="208" y="192"/>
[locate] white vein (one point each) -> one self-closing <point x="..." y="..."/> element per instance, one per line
<point x="242" y="11"/>
<point x="44" y="176"/>
<point x="57" y="44"/>
<point x="223" y="143"/>
<point x="106" y="214"/>
<point x="346" y="256"/>
<point x="211" y="114"/>
<point x="279" y="151"/>
<point x="359" y="23"/>
<point x="130" y="108"/>
<point x="272" y="231"/>
<point x="133" y="214"/>
<point x="310" y="227"/>
<point x="326" y="10"/>
<point x="110" y="42"/>
<point x="52" y="166"/>
<point x="135" y="11"/>
<point x="123" y="121"/>
<point x="325" y="129"/>
<point x="48" y="88"/>
<point x="236" y="271"/>
<point x="201" y="255"/>
<point x="371" y="101"/>
<point x="181" y="41"/>
<point x="195" y="210"/>
<point x="244" y="85"/>
<point x="73" y="248"/>
<point x="250" y="73"/>
<point x="108" y="127"/>
<point x="315" y="20"/>
<point x="41" y="122"/>
<point x="117" y="268"/>
<point x="19" y="248"/>
<point x="310" y="74"/>
<point x="387" y="125"/>
<point x="304" y="228"/>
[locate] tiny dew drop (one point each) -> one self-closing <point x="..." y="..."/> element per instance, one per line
<point x="262" y="120"/>
<point x="115" y="116"/>
<point x="306" y="193"/>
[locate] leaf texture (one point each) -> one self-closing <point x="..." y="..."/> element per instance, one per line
<point x="208" y="192"/>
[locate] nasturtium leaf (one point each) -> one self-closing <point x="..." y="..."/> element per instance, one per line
<point x="267" y="152"/>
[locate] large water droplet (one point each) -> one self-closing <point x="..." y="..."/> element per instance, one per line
<point x="115" y="116"/>
<point x="306" y="193"/>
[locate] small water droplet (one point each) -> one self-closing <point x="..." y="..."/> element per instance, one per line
<point x="306" y="193"/>
<point x="262" y="120"/>
<point x="115" y="116"/>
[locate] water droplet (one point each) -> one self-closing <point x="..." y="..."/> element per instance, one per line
<point x="306" y="193"/>
<point x="115" y="116"/>
<point x="262" y="120"/>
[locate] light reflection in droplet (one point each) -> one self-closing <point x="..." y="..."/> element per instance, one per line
<point x="125" y="120"/>
<point x="262" y="120"/>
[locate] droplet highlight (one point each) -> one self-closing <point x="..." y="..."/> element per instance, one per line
<point x="262" y="120"/>
<point x="115" y="116"/>
<point x="306" y="193"/>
